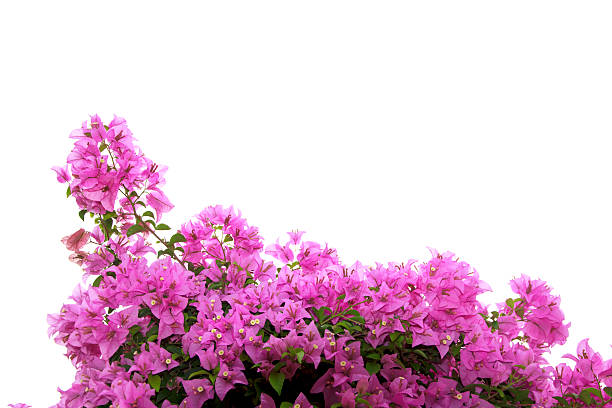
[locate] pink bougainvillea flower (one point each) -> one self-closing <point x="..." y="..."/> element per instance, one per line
<point x="348" y="398"/>
<point x="400" y="334"/>
<point x="282" y="253"/>
<point x="295" y="237"/>
<point x="78" y="257"/>
<point x="133" y="395"/>
<point x="63" y="174"/>
<point x="76" y="240"/>
<point x="159" y="202"/>
<point x="198" y="392"/>
<point x="266" y="401"/>
<point x="140" y="247"/>
<point x="110" y="339"/>
<point x="226" y="379"/>
<point x="97" y="235"/>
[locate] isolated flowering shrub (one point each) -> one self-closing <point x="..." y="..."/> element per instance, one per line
<point x="209" y="316"/>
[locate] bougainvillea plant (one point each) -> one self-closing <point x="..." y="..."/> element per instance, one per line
<point x="209" y="316"/>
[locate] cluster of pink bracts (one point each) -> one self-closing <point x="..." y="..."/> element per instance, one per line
<point x="217" y="300"/>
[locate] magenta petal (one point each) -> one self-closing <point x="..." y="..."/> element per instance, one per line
<point x="266" y="401"/>
<point x="76" y="240"/>
<point x="159" y="202"/>
<point x="222" y="387"/>
<point x="63" y="175"/>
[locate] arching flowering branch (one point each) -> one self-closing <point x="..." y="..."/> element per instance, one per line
<point x="212" y="319"/>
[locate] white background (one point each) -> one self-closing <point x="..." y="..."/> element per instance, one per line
<point x="479" y="127"/>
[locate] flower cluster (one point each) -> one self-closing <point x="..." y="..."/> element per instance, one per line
<point x="103" y="161"/>
<point x="585" y="380"/>
<point x="218" y="319"/>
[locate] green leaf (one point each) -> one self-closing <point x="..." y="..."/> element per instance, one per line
<point x="345" y="324"/>
<point x="520" y="394"/>
<point x="364" y="402"/>
<point x="372" y="367"/>
<point x="420" y="353"/>
<point x="585" y="396"/>
<point x="278" y="365"/>
<point x="148" y="214"/>
<point x="228" y="238"/>
<point x="162" y="395"/>
<point x="338" y="329"/>
<point x="134" y="229"/>
<point x="590" y="392"/>
<point x="320" y="313"/>
<point x="82" y="214"/>
<point x="162" y="227"/>
<point x="68" y="192"/>
<point x="608" y="390"/>
<point x="96" y="283"/>
<point x="286" y="404"/>
<point x="154" y="381"/>
<point x="178" y="237"/>
<point x="300" y="356"/>
<point x="563" y="402"/>
<point x="200" y="372"/>
<point x="276" y="381"/>
<point x="107" y="227"/>
<point x="510" y="303"/>
<point x="110" y="214"/>
<point x="354" y="315"/>
<point x="102" y="147"/>
<point x="174" y="348"/>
